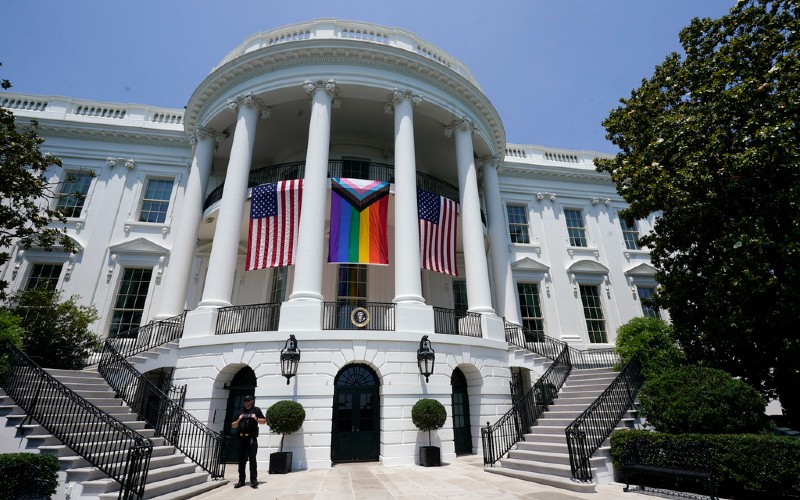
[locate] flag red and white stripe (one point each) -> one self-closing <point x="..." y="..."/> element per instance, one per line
<point x="438" y="217"/>
<point x="274" y="222"/>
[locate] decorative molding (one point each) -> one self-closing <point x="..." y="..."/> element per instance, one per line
<point x="547" y="283"/>
<point x="139" y="246"/>
<point x="129" y="163"/>
<point x="586" y="266"/>
<point x="328" y="86"/>
<point x="643" y="270"/>
<point x="549" y="196"/>
<point x="249" y="99"/>
<point x="464" y="124"/>
<point x="112" y="263"/>
<point x="160" y="269"/>
<point x="530" y="265"/>
<point x="17" y="264"/>
<point x="607" y="284"/>
<point x="596" y="200"/>
<point x="208" y="133"/>
<point x="574" y="280"/>
<point x="491" y="161"/>
<point x="69" y="267"/>
<point x="632" y="284"/>
<point x="398" y="95"/>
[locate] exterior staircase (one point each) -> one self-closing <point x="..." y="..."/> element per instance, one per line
<point x="170" y="474"/>
<point x="543" y="456"/>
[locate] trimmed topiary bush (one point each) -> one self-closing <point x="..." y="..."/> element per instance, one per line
<point x="696" y="399"/>
<point x="28" y="475"/>
<point x="652" y="341"/>
<point x="745" y="465"/>
<point x="285" y="417"/>
<point x="428" y="415"/>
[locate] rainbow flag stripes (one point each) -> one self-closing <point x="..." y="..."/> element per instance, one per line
<point x="359" y="226"/>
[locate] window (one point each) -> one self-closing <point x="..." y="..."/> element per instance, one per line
<point x="156" y="200"/>
<point x="630" y="234"/>
<point x="575" y="227"/>
<point x="279" y="277"/>
<point x="355" y="169"/>
<point x="129" y="305"/>
<point x="43" y="277"/>
<point x="73" y="193"/>
<point x="645" y="297"/>
<point x="460" y="295"/>
<point x="529" y="308"/>
<point x="518" y="223"/>
<point x="593" y="312"/>
<point x="352" y="287"/>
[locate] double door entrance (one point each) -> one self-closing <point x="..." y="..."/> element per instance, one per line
<point x="356" y="415"/>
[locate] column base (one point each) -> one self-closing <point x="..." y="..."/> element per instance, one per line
<point x="214" y="303"/>
<point x="413" y="317"/>
<point x="301" y="315"/>
<point x="409" y="299"/>
<point x="305" y="296"/>
<point x="202" y="322"/>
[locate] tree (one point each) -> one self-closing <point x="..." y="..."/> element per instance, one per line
<point x="652" y="341"/>
<point x="25" y="213"/>
<point x="711" y="144"/>
<point x="56" y="333"/>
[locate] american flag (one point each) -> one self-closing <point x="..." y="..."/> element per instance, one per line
<point x="274" y="219"/>
<point x="437" y="232"/>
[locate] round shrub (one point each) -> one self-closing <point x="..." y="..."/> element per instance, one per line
<point x="428" y="415"/>
<point x="696" y="399"/>
<point x="28" y="475"/>
<point x="650" y="339"/>
<point x="285" y="417"/>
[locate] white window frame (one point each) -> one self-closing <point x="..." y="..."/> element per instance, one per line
<point x="138" y="197"/>
<point x="628" y="231"/>
<point x="600" y="306"/>
<point x="583" y="227"/>
<point x="528" y="231"/>
<point x="538" y="285"/>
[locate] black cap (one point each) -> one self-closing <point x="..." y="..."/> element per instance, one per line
<point x="248" y="398"/>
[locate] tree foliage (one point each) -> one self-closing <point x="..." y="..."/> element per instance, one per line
<point x="428" y="415"/>
<point x="25" y="212"/>
<point x="285" y="417"/>
<point x="711" y="144"/>
<point x="653" y="341"/>
<point x="56" y="333"/>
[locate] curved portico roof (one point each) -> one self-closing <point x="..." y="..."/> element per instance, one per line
<point x="356" y="53"/>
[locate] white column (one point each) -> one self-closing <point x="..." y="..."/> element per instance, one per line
<point x="505" y="297"/>
<point x="176" y="279"/>
<point x="225" y="249"/>
<point x="407" y="274"/>
<point x="479" y="296"/>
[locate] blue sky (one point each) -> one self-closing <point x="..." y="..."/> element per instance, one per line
<point x="553" y="69"/>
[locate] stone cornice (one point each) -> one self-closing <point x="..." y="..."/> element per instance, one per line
<point x="555" y="173"/>
<point x="125" y="135"/>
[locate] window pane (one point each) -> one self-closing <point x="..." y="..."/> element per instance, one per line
<point x="648" y="310"/>
<point x="44" y="277"/>
<point x="155" y="201"/>
<point x="575" y="228"/>
<point x="129" y="305"/>
<point x="518" y="223"/>
<point x="529" y="307"/>
<point x="279" y="277"/>
<point x="460" y="295"/>
<point x="352" y="283"/>
<point x="630" y="235"/>
<point x="593" y="312"/>
<point x="73" y="193"/>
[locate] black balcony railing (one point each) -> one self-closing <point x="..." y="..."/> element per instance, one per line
<point x="550" y="347"/>
<point x="250" y="318"/>
<point x="105" y="442"/>
<point x="178" y="427"/>
<point x="456" y="322"/>
<point x="338" y="168"/>
<point x="146" y="337"/>
<point x="511" y="428"/>
<point x="358" y="316"/>
<point x="587" y="432"/>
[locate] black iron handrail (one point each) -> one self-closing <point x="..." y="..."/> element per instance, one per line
<point x="499" y="438"/>
<point x="106" y="443"/>
<point x="592" y="427"/>
<point x="350" y="316"/>
<point x="337" y="168"/>
<point x="199" y="443"/>
<point x="249" y="318"/>
<point x="149" y="336"/>
<point x="550" y="347"/>
<point x="456" y="322"/>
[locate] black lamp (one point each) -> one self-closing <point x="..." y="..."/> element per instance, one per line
<point x="425" y="357"/>
<point x="290" y="358"/>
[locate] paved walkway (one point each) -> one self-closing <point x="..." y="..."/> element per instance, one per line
<point x="462" y="479"/>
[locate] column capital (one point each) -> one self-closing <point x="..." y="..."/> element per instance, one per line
<point x="249" y="99"/>
<point x="460" y="124"/>
<point x="208" y="133"/>
<point x="398" y="95"/>
<point x="129" y="163"/>
<point x="329" y="86"/>
<point x="490" y="161"/>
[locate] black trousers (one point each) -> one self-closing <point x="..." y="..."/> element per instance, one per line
<point x="248" y="447"/>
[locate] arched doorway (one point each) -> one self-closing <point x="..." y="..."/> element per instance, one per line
<point x="462" y="433"/>
<point x="355" y="434"/>
<point x="243" y="383"/>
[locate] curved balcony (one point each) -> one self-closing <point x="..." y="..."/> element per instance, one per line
<point x="338" y="168"/>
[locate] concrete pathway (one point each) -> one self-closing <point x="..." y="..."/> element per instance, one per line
<point x="462" y="479"/>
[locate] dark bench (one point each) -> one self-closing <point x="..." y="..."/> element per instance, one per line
<point x="643" y="458"/>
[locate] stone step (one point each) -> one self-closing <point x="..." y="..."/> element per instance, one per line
<point x="80" y="474"/>
<point x="550" y="480"/>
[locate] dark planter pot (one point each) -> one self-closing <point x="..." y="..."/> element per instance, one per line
<point x="280" y="462"/>
<point x="430" y="456"/>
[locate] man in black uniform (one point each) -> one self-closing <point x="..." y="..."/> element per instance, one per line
<point x="247" y="430"/>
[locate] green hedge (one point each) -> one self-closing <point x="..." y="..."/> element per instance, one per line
<point x="28" y="474"/>
<point x="746" y="465"/>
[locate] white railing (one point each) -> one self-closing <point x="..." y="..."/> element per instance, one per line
<point x="531" y="153"/>
<point x="350" y="30"/>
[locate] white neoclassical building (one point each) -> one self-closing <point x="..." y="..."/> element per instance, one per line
<point x="159" y="201"/>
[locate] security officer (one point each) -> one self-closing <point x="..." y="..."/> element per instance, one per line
<point x="247" y="429"/>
